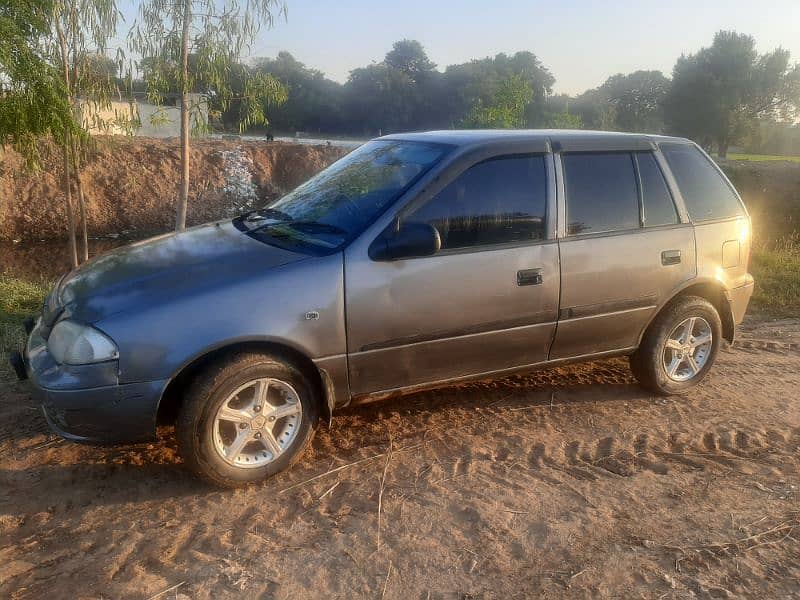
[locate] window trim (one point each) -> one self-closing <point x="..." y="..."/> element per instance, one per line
<point x="565" y="234"/>
<point x="550" y="204"/>
<point x="634" y="157"/>
<point x="667" y="186"/>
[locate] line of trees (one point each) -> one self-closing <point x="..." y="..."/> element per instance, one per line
<point x="723" y="94"/>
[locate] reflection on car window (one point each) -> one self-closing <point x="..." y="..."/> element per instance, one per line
<point x="602" y="194"/>
<point x="498" y="201"/>
<point x="337" y="204"/>
<point x="704" y="191"/>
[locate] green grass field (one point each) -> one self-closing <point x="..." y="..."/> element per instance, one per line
<point x="762" y="157"/>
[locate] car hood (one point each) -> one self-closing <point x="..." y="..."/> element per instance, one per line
<point x="157" y="269"/>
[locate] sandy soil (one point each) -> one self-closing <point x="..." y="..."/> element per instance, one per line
<point x="571" y="482"/>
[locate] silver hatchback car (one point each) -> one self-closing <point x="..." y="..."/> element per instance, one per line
<point x="415" y="261"/>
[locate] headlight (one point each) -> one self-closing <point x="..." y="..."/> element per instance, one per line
<point x="75" y="344"/>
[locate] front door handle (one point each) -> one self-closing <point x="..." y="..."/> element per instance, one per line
<point x="529" y="277"/>
<point x="670" y="257"/>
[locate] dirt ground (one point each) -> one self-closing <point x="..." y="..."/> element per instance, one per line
<point x="571" y="482"/>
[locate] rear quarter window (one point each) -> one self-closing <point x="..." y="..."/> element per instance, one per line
<point x="705" y="192"/>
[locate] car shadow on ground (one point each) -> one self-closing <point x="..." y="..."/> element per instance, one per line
<point x="90" y="475"/>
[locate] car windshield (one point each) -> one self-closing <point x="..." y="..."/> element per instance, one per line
<point x="337" y="204"/>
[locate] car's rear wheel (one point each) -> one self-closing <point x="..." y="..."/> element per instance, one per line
<point x="246" y="418"/>
<point x="679" y="347"/>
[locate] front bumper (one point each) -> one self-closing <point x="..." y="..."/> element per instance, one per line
<point x="87" y="403"/>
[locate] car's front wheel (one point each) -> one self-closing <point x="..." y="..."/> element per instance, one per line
<point x="679" y="347"/>
<point x="246" y="418"/>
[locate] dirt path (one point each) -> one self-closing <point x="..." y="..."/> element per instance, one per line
<point x="570" y="482"/>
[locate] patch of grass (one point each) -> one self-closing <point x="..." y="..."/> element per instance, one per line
<point x="762" y="157"/>
<point x="19" y="298"/>
<point x="776" y="269"/>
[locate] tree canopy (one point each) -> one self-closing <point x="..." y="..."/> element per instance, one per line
<point x="721" y="92"/>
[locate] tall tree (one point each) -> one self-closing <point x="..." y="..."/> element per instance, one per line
<point x="721" y="92"/>
<point x="81" y="31"/>
<point x="168" y="32"/>
<point x="314" y="102"/>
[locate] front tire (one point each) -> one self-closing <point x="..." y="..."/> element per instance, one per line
<point x="679" y="347"/>
<point x="246" y="418"/>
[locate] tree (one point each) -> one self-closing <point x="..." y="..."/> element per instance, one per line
<point x="33" y="99"/>
<point x="409" y="56"/>
<point x="482" y="80"/>
<point x="314" y="102"/>
<point x="168" y="32"/>
<point x="722" y="91"/>
<point x="637" y="100"/>
<point x="505" y="109"/>
<point x="78" y="40"/>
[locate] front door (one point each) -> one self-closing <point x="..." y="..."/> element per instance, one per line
<point x="486" y="302"/>
<point x="625" y="250"/>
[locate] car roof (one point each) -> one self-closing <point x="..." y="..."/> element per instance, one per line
<point x="566" y="139"/>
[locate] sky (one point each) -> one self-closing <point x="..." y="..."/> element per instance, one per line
<point x="582" y="42"/>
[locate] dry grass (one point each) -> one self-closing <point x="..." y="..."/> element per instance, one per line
<point x="19" y="298"/>
<point x="776" y="269"/>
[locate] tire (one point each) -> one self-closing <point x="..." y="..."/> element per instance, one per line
<point x="271" y="414"/>
<point x="653" y="360"/>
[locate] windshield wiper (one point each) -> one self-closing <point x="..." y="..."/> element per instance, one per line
<point x="306" y="227"/>
<point x="267" y="213"/>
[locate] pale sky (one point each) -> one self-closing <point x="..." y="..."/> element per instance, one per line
<point x="582" y="42"/>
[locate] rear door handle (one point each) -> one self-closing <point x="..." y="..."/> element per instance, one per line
<point x="529" y="277"/>
<point x="670" y="257"/>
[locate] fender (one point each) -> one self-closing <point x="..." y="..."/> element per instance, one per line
<point x="712" y="290"/>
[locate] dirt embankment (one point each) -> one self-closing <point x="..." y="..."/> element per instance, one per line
<point x="131" y="184"/>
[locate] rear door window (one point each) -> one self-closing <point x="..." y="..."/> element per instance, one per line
<point x="705" y="192"/>
<point x="602" y="192"/>
<point x="659" y="209"/>
<point x="498" y="201"/>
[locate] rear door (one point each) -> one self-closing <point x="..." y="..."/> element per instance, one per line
<point x="488" y="301"/>
<point x="624" y="248"/>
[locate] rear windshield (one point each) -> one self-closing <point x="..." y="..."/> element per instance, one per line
<point x="333" y="207"/>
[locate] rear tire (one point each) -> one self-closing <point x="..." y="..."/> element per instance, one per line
<point x="246" y="418"/>
<point x="679" y="347"/>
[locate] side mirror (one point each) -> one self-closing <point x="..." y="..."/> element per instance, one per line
<point x="411" y="240"/>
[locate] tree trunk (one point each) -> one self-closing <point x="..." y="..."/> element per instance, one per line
<point x="76" y="160"/>
<point x="722" y="147"/>
<point x="73" y="247"/>
<point x="183" y="197"/>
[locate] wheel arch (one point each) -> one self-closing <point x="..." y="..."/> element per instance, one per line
<point x="172" y="396"/>
<point x="713" y="291"/>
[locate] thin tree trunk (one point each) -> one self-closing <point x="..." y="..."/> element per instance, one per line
<point x="76" y="159"/>
<point x="73" y="247"/>
<point x="183" y="197"/>
<point x="722" y="147"/>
